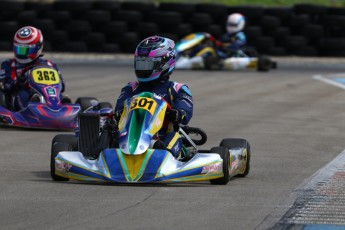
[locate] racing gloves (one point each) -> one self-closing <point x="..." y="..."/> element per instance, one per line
<point x="175" y="116"/>
<point x="117" y="115"/>
<point x="22" y="80"/>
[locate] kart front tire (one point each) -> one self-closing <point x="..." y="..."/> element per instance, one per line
<point x="212" y="62"/>
<point x="56" y="148"/>
<point x="66" y="99"/>
<point x="224" y="154"/>
<point x="246" y="171"/>
<point x="70" y="139"/>
<point x="232" y="143"/>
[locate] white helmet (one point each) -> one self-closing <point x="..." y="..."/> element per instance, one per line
<point x="235" y="23"/>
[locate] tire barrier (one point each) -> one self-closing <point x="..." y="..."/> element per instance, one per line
<point x="116" y="27"/>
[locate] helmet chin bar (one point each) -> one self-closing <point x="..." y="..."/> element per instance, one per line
<point x="24" y="61"/>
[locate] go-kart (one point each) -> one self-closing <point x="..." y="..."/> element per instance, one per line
<point x="46" y="109"/>
<point x="126" y="154"/>
<point x="199" y="51"/>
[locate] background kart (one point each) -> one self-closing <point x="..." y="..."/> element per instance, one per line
<point x="198" y="51"/>
<point x="46" y="109"/>
<point x="92" y="156"/>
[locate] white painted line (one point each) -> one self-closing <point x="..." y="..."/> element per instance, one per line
<point x="328" y="81"/>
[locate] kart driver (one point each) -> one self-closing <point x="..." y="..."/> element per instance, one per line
<point x="233" y="41"/>
<point x="27" y="47"/>
<point x="154" y="62"/>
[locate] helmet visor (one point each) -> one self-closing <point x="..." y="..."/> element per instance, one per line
<point x="231" y="24"/>
<point x="146" y="63"/>
<point x="144" y="66"/>
<point x="24" y="50"/>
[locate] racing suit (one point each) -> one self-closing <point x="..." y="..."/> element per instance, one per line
<point x="16" y="83"/>
<point x="232" y="44"/>
<point x="176" y="94"/>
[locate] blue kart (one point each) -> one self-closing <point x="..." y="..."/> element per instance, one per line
<point x="105" y="151"/>
<point x="47" y="109"/>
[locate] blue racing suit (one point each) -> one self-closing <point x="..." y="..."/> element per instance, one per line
<point x="232" y="44"/>
<point x="176" y="94"/>
<point x="15" y="81"/>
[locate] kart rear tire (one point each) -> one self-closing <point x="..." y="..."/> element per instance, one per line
<point x="224" y="154"/>
<point x="231" y="143"/>
<point x="211" y="62"/>
<point x="264" y="63"/>
<point x="56" y="148"/>
<point x="105" y="105"/>
<point x="86" y="102"/>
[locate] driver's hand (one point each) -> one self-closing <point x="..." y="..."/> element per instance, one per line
<point x="174" y="116"/>
<point x="117" y="115"/>
<point x="22" y="80"/>
<point x="2" y="74"/>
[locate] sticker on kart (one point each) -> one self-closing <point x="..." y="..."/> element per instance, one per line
<point x="45" y="76"/>
<point x="144" y="103"/>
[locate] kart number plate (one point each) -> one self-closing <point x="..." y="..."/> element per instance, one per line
<point x="144" y="103"/>
<point x="45" y="76"/>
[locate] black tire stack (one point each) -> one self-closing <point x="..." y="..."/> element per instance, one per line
<point x="112" y="27"/>
<point x="9" y="24"/>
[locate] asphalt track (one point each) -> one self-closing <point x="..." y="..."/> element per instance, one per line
<point x="294" y="123"/>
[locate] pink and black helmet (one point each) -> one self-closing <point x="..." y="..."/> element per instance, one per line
<point x="154" y="58"/>
<point x="27" y="44"/>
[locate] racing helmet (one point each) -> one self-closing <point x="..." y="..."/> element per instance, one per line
<point x="235" y="23"/>
<point x="27" y="44"/>
<point x="154" y="58"/>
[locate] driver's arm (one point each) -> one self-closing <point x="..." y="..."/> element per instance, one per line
<point x="183" y="102"/>
<point x="9" y="81"/>
<point x="239" y="41"/>
<point x="126" y="92"/>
